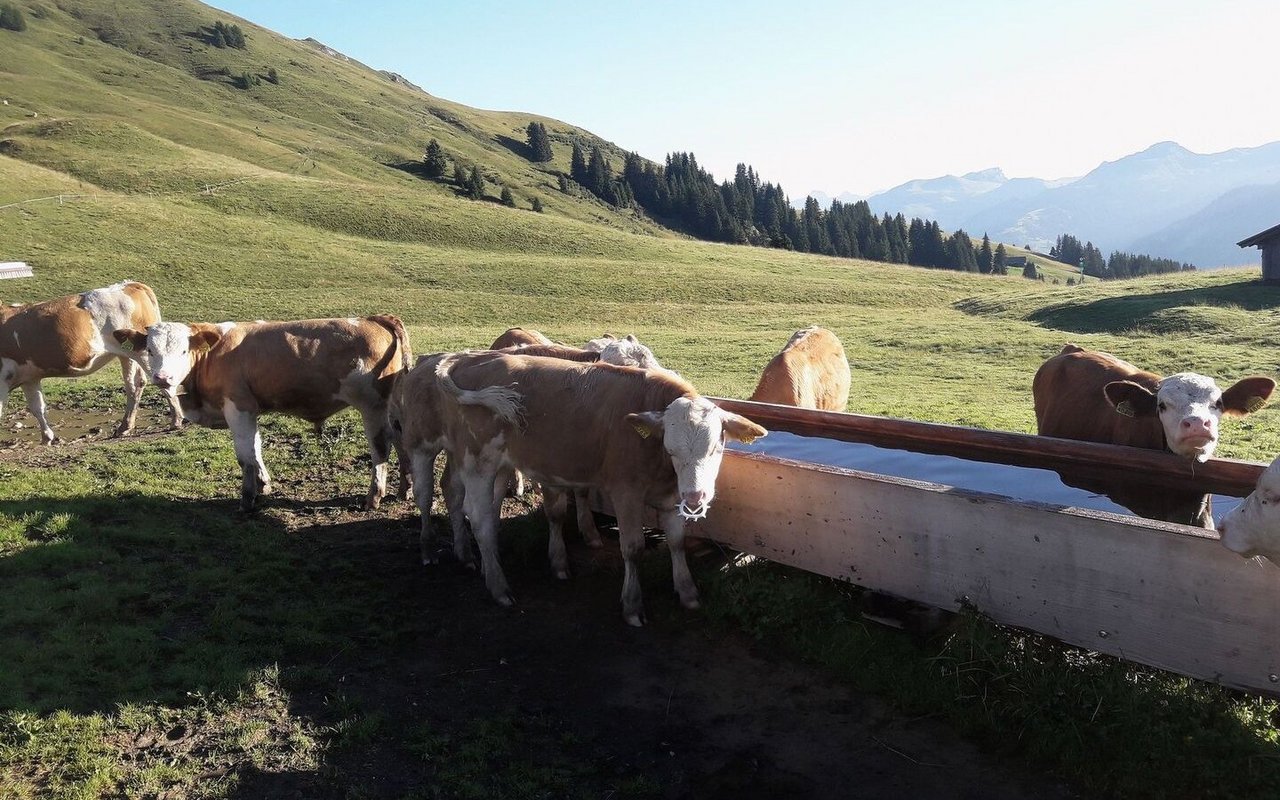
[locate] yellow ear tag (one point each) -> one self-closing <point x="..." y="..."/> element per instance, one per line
<point x="750" y="439"/>
<point x="642" y="430"/>
<point x="1125" y="407"/>
<point x="127" y="344"/>
<point x="1254" y="403"/>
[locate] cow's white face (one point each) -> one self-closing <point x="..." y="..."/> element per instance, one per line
<point x="693" y="431"/>
<point x="1253" y="527"/>
<point x="1190" y="406"/>
<point x="628" y="352"/>
<point x="168" y="353"/>
<point x="597" y="345"/>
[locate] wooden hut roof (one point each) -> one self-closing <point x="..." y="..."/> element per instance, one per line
<point x="1259" y="238"/>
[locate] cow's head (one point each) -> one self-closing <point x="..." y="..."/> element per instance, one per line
<point x="693" y="430"/>
<point x="599" y="344"/>
<point x="1253" y="527"/>
<point x="627" y="352"/>
<point x="165" y="350"/>
<point x="1189" y="407"/>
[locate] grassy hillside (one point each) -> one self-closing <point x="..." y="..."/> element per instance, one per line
<point x="138" y="604"/>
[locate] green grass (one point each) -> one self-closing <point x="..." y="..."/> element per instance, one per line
<point x="138" y="604"/>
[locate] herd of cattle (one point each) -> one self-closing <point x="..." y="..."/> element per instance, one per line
<point x="605" y="417"/>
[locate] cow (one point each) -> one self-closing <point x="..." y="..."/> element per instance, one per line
<point x="514" y="337"/>
<point x="71" y="336"/>
<point x="625" y="352"/>
<point x="811" y="371"/>
<point x="310" y="369"/>
<point x="646" y="437"/>
<point x="1253" y="527"/>
<point x="1095" y="397"/>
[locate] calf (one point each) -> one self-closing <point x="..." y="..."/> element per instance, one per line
<point x="811" y="371"/>
<point x="70" y="337"/>
<point x="1096" y="397"/>
<point x="308" y="368"/>
<point x="645" y="437"/>
<point x="1253" y="527"/>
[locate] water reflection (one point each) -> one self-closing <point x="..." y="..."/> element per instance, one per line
<point x="1019" y="483"/>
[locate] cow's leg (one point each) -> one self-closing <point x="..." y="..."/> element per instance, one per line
<point x="478" y="482"/>
<point x="35" y="404"/>
<point x="586" y="520"/>
<point x="519" y="487"/>
<point x="134" y="380"/>
<point x="555" y="504"/>
<point x="175" y="406"/>
<point x="7" y="370"/>
<point x="673" y="525"/>
<point x="454" y="496"/>
<point x="248" y="445"/>
<point x="375" y="431"/>
<point x="405" y="465"/>
<point x="630" y="511"/>
<point x="424" y="477"/>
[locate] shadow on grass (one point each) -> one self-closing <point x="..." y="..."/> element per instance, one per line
<point x="1118" y="314"/>
<point x="146" y="600"/>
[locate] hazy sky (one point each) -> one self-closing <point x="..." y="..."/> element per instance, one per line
<point x="837" y="96"/>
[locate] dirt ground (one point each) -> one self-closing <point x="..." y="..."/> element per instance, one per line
<point x="701" y="713"/>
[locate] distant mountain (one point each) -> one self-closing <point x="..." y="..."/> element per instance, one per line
<point x="952" y="200"/>
<point x="1120" y="205"/>
<point x="824" y="199"/>
<point x="1208" y="237"/>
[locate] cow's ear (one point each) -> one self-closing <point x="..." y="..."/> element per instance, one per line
<point x="1130" y="399"/>
<point x="631" y="337"/>
<point x="203" y="340"/>
<point x="741" y="429"/>
<point x="647" y="423"/>
<point x="131" y="339"/>
<point x="1247" y="395"/>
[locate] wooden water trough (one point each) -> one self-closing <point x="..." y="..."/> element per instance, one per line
<point x="1157" y="593"/>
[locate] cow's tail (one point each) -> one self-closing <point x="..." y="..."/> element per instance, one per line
<point x="501" y="400"/>
<point x="393" y="324"/>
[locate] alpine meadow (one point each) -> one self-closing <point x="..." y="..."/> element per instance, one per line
<point x="157" y="642"/>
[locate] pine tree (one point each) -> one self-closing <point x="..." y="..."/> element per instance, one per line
<point x="219" y="37"/>
<point x="434" y="162"/>
<point x="273" y="76"/>
<point x="986" y="262"/>
<point x="1029" y="271"/>
<point x="507" y="198"/>
<point x="459" y="176"/>
<point x="475" y="184"/>
<point x="539" y="142"/>
<point x="11" y="17"/>
<point x="999" y="264"/>
<point x="536" y="205"/>
<point x="578" y="165"/>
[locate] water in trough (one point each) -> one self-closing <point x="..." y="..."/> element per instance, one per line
<point x="1018" y="483"/>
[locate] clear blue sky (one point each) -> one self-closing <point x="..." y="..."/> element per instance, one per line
<point x="838" y="96"/>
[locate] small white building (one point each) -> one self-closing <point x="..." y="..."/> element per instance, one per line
<point x="14" y="269"/>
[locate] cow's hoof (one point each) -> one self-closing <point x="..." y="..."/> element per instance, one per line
<point x="121" y="432"/>
<point x="692" y="605"/>
<point x="372" y="503"/>
<point x="507" y="601"/>
<point x="635" y="620"/>
<point x="266" y="488"/>
<point x="48" y="441"/>
<point x="562" y="574"/>
<point x="595" y="544"/>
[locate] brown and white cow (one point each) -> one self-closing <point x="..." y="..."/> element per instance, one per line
<point x="514" y="337"/>
<point x="1096" y="397"/>
<point x="71" y="336"/>
<point x="1253" y="527"/>
<point x="306" y="368"/>
<point x="645" y="437"/>
<point x="624" y="352"/>
<point x="810" y="372"/>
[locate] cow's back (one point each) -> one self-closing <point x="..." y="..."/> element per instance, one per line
<point x="573" y="428"/>
<point x="297" y="367"/>
<point x="72" y="333"/>
<point x="811" y="371"/>
<point x="1070" y="401"/>
<point x="513" y="337"/>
